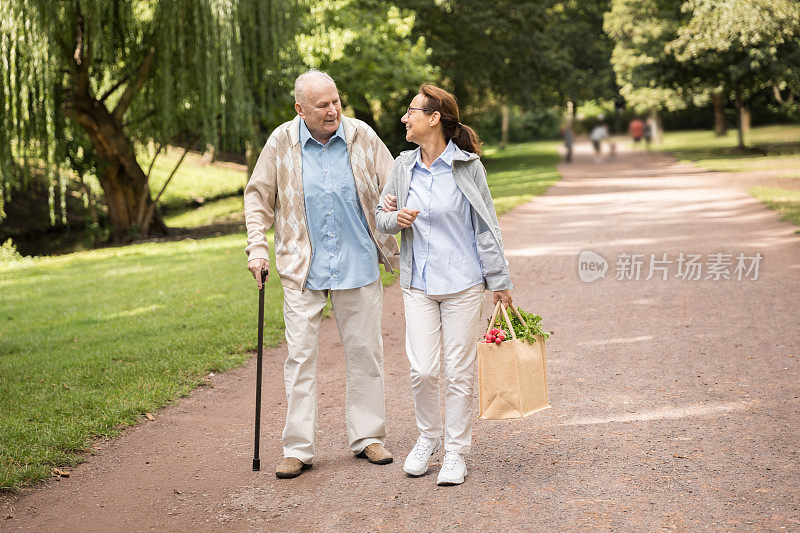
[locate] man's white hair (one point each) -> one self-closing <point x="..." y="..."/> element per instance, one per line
<point x="305" y="79"/>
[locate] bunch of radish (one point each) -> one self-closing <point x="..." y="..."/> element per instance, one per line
<point x="495" y="336"/>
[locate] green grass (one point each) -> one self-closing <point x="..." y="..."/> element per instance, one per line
<point x="520" y="172"/>
<point x="773" y="149"/>
<point x="785" y="201"/>
<point x="769" y="148"/>
<point x="210" y="213"/>
<point x="92" y="340"/>
<point x="193" y="179"/>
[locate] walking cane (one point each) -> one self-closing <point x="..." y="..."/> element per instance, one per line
<point x="256" y="459"/>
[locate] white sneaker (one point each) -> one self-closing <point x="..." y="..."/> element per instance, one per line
<point x="453" y="470"/>
<point x="417" y="461"/>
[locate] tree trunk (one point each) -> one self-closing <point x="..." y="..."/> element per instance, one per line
<point x="720" y="128"/>
<point x="363" y="111"/>
<point x="120" y="176"/>
<point x="739" y="125"/>
<point x="504" y="126"/>
<point x="655" y="126"/>
<point x="745" y="119"/>
<point x="122" y="179"/>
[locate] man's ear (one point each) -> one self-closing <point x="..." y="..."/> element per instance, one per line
<point x="299" y="109"/>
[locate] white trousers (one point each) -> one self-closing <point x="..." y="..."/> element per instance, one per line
<point x="358" y="315"/>
<point x="449" y="325"/>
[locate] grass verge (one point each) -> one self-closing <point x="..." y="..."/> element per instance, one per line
<point x="770" y="148"/>
<point x="785" y="201"/>
<point x="92" y="340"/>
<point x="520" y="172"/>
<point x="773" y="151"/>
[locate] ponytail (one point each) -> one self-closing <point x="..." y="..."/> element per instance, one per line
<point x="466" y="139"/>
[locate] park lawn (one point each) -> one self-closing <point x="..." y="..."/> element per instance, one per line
<point x="769" y="148"/>
<point x="91" y="341"/>
<point x="772" y="149"/>
<point x="785" y="201"/>
<point x="520" y="172"/>
<point x="193" y="179"/>
<point x="212" y="212"/>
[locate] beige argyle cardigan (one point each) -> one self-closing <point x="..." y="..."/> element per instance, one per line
<point x="274" y="196"/>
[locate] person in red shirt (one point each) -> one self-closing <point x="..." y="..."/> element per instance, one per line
<point x="636" y="130"/>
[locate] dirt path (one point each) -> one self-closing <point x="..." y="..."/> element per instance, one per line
<point x="675" y="403"/>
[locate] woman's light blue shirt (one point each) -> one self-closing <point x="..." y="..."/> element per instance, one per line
<point x="445" y="259"/>
<point x="343" y="254"/>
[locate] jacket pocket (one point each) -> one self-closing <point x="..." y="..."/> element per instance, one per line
<point x="491" y="258"/>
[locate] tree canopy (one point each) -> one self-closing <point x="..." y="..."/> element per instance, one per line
<point x="172" y="71"/>
<point x="86" y="81"/>
<point x="670" y="51"/>
<point x="640" y="30"/>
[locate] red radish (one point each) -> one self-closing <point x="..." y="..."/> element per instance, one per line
<point x="498" y="340"/>
<point x="490" y="338"/>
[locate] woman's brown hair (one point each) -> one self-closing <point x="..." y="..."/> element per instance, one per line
<point x="437" y="99"/>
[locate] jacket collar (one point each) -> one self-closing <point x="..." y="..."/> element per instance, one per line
<point x="463" y="155"/>
<point x="409" y="157"/>
<point x="445" y="157"/>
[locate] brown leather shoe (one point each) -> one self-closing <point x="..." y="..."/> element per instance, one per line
<point x="291" y="467"/>
<point x="375" y="453"/>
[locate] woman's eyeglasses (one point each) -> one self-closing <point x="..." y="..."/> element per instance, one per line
<point x="410" y="109"/>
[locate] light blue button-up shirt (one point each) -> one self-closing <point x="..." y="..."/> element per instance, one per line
<point x="343" y="254"/>
<point x="445" y="259"/>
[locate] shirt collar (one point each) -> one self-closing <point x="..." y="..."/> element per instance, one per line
<point x="445" y="157"/>
<point x="305" y="135"/>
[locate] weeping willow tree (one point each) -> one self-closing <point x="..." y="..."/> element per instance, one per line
<point x="191" y="72"/>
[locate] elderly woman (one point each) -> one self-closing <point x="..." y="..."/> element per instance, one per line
<point x="451" y="251"/>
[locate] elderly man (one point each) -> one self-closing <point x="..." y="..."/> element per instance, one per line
<point x="317" y="180"/>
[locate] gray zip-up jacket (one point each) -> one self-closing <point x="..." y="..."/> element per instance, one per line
<point x="470" y="177"/>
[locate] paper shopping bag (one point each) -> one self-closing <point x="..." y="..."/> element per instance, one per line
<point x="512" y="375"/>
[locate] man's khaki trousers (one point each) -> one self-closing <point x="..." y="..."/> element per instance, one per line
<point x="358" y="314"/>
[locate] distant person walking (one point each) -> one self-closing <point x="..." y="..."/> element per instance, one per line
<point x="598" y="135"/>
<point x="636" y="130"/>
<point x="569" y="138"/>
<point x="648" y="134"/>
